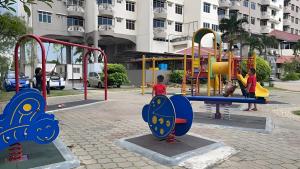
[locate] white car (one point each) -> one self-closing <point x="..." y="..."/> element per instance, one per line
<point x="94" y="80"/>
<point x="54" y="80"/>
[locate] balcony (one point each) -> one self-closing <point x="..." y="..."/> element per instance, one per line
<point x="265" y="2"/>
<point x="235" y="5"/>
<point x="224" y="3"/>
<point x="160" y="32"/>
<point x="106" y="29"/>
<point x="265" y="15"/>
<point x="106" y="9"/>
<point x="265" y="29"/>
<point x="76" y="30"/>
<point x="160" y="12"/>
<point x="287" y="22"/>
<point x="75" y="10"/>
<point x="223" y="16"/>
<point x="287" y="9"/>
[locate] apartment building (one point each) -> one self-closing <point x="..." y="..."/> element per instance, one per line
<point x="263" y="15"/>
<point x="126" y="25"/>
<point x="291" y="16"/>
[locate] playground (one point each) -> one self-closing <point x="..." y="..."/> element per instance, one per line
<point x="194" y="126"/>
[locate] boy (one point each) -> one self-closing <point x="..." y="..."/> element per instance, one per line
<point x="251" y="85"/>
<point x="38" y="78"/>
<point x="159" y="88"/>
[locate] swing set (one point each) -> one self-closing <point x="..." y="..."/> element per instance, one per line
<point x="40" y="40"/>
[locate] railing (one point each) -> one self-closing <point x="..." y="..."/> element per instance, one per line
<point x="105" y="6"/>
<point x="105" y="27"/>
<point x="224" y="3"/>
<point x="160" y="10"/>
<point x="75" y="8"/>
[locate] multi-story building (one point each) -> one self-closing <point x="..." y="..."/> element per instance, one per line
<point x="291" y="16"/>
<point x="263" y="15"/>
<point x="122" y="25"/>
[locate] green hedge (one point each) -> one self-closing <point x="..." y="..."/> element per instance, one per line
<point x="291" y="76"/>
<point x="176" y="76"/>
<point x="117" y="75"/>
<point x="263" y="69"/>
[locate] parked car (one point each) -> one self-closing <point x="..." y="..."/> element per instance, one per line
<point x="9" y="83"/>
<point x="94" y="80"/>
<point x="54" y="80"/>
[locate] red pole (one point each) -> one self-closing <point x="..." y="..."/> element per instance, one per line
<point x="85" y="57"/>
<point x="16" y="59"/>
<point x="105" y="76"/>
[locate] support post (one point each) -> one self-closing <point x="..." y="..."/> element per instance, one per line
<point x="153" y="71"/>
<point x="183" y="90"/>
<point x="229" y="66"/>
<point x="143" y="74"/>
<point x="208" y="74"/>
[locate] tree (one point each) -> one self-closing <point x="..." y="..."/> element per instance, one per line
<point x="232" y="29"/>
<point x="296" y="48"/>
<point x="4" y="66"/>
<point x="11" y="28"/>
<point x="8" y="4"/>
<point x="254" y="43"/>
<point x="268" y="42"/>
<point x="263" y="69"/>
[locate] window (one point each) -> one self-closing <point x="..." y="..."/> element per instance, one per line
<point x="285" y="28"/>
<point x="246" y="17"/>
<point x="130" y="6"/>
<point x="104" y="1"/>
<point x="158" y="3"/>
<point x="293" y="19"/>
<point x="246" y="3"/>
<point x="178" y="9"/>
<point x="297" y="8"/>
<point x="253" y="5"/>
<point x="293" y="7"/>
<point x="73" y="21"/>
<point x="158" y="23"/>
<point x="206" y="7"/>
<point x="178" y="27"/>
<point x="296" y="31"/>
<point x="292" y="30"/>
<point x="206" y="25"/>
<point x="252" y="20"/>
<point x="215" y="27"/>
<point x="75" y="2"/>
<point x="45" y="17"/>
<point x="273" y="13"/>
<point x="272" y="26"/>
<point x="104" y="20"/>
<point x="297" y="21"/>
<point x="130" y="24"/>
<point x="76" y="70"/>
<point x="285" y="16"/>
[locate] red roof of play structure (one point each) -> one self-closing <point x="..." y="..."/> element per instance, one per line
<point x="284" y="59"/>
<point x="285" y="36"/>
<point x="204" y="51"/>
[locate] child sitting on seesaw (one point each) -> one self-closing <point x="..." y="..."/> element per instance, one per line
<point x="159" y="88"/>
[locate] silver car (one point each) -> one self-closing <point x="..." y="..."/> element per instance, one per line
<point x="94" y="80"/>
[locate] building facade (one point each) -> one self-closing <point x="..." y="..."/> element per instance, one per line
<point x="291" y="16"/>
<point x="126" y="25"/>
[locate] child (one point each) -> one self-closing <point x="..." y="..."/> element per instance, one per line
<point x="38" y="78"/>
<point x="251" y="85"/>
<point x="159" y="88"/>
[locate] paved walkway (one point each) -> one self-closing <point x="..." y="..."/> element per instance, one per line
<point x="90" y="132"/>
<point x="289" y="85"/>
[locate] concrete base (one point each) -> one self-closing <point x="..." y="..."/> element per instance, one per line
<point x="181" y="153"/>
<point x="51" y="156"/>
<point x="248" y="123"/>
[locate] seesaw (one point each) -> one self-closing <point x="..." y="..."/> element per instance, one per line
<point x="24" y="119"/>
<point x="166" y="116"/>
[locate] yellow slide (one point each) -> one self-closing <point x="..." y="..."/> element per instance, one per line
<point x="259" y="90"/>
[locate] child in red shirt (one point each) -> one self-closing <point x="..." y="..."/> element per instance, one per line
<point x="251" y="85"/>
<point x="159" y="88"/>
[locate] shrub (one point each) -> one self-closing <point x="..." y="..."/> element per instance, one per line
<point x="291" y="76"/>
<point x="117" y="75"/>
<point x="176" y="76"/>
<point x="263" y="69"/>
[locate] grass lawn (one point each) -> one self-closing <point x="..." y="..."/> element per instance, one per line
<point x="297" y="112"/>
<point x="6" y="96"/>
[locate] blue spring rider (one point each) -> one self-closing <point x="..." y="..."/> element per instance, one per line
<point x="24" y="119"/>
<point x="168" y="115"/>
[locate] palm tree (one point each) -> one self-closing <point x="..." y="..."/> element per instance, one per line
<point x="296" y="48"/>
<point x="233" y="29"/>
<point x="268" y="42"/>
<point x="254" y="43"/>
